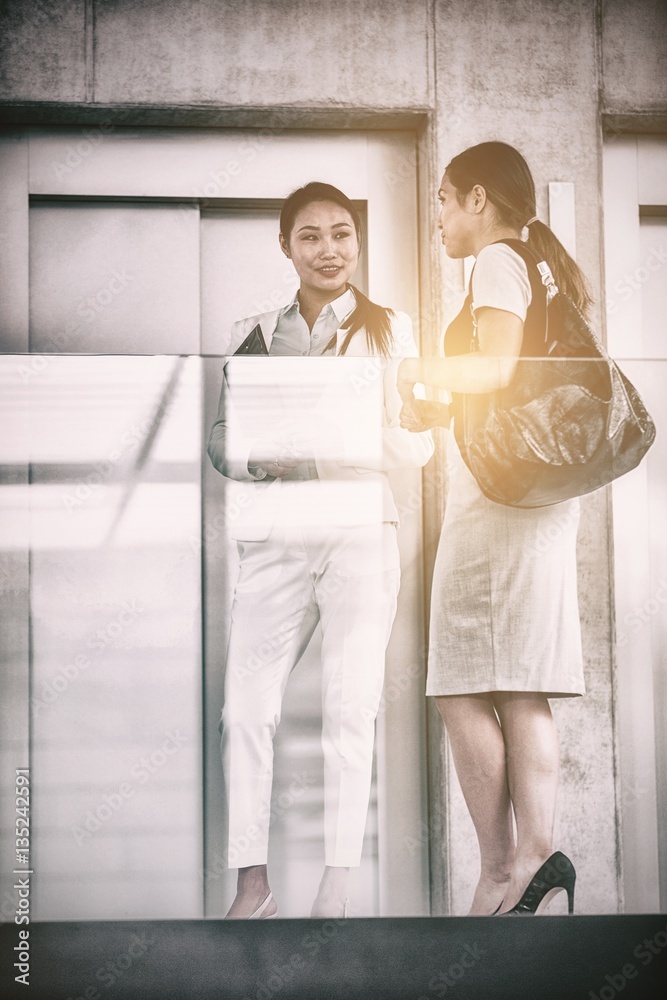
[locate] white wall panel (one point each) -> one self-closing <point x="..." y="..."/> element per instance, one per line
<point x="634" y="174"/>
<point x="194" y="163"/>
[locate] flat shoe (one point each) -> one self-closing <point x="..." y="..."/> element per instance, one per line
<point x="259" y="913"/>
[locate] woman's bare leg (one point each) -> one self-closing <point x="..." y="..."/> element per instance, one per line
<point x="478" y="749"/>
<point x="531" y="740"/>
<point x="332" y="893"/>
<point x="251" y="891"/>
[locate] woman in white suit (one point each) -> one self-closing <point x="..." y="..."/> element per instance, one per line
<point x="336" y="561"/>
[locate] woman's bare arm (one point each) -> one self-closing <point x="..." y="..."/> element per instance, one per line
<point x="500" y="334"/>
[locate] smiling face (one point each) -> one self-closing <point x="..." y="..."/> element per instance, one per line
<point x="323" y="246"/>
<point x="459" y="220"/>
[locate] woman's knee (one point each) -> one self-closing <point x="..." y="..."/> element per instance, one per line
<point x="248" y="718"/>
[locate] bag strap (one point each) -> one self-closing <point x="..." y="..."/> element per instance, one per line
<point x="530" y="257"/>
<point x="542" y="282"/>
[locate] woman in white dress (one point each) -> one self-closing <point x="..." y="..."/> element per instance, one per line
<point x="504" y="632"/>
<point x="320" y="545"/>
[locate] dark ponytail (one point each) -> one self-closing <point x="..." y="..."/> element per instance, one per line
<point x="374" y="318"/>
<point x="377" y="321"/>
<point x="567" y="273"/>
<point x="505" y="176"/>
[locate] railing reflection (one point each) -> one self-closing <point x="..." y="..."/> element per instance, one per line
<point x="101" y="544"/>
<point x="111" y="500"/>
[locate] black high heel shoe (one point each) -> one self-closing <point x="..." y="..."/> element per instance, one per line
<point x="556" y="874"/>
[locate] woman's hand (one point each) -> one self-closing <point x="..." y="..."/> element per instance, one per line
<point x="276" y="457"/>
<point x="297" y="441"/>
<point x="422" y="414"/>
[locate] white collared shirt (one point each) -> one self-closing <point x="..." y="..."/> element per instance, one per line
<point x="292" y="336"/>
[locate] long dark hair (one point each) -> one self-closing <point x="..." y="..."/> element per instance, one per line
<point x="505" y="176"/>
<point x="376" y="319"/>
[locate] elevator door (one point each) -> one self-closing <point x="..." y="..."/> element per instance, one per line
<point x="137" y="250"/>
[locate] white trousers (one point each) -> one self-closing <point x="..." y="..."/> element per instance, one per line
<point x="346" y="578"/>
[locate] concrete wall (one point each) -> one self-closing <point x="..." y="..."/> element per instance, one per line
<point x="43" y="50"/>
<point x="296" y="52"/>
<point x="356" y="53"/>
<point x="522" y="90"/>
<point x="634" y="57"/>
<point x="532" y="72"/>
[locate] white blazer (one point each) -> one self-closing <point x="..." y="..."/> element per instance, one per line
<point x="401" y="449"/>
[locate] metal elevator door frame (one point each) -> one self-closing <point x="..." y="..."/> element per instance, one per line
<point x="211" y="168"/>
<point x="635" y="210"/>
